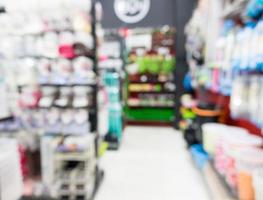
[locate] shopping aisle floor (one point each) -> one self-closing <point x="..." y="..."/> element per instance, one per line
<point x="152" y="164"/>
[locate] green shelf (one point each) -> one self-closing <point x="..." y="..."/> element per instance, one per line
<point x="150" y="114"/>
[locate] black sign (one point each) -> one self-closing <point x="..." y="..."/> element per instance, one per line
<point x="135" y="13"/>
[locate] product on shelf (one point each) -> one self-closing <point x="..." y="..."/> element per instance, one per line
<point x="212" y="133"/>
<point x="238" y="49"/>
<point x="153" y="64"/>
<point x="62" y="44"/>
<point x="152" y="100"/>
<point x="248" y="160"/>
<point x="246" y="99"/>
<point x="205" y="113"/>
<point x="254" y="8"/>
<point x="233" y="140"/>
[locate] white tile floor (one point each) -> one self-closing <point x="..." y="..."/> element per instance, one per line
<point x="152" y="164"/>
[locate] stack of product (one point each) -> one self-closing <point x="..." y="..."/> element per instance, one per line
<point x="237" y="156"/>
<point x="111" y="69"/>
<point x="112" y="52"/>
<point x="233" y="155"/>
<point x="49" y="56"/>
<point x="150" y="87"/>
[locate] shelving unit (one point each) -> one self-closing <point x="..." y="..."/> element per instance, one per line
<point x="54" y="131"/>
<point x="227" y="76"/>
<point x="85" y="189"/>
<point x="150" y="85"/>
<point x="111" y="67"/>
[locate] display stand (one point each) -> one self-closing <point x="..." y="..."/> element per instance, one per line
<point x="86" y="188"/>
<point x="150" y="88"/>
<point x="112" y="71"/>
<point x="52" y="157"/>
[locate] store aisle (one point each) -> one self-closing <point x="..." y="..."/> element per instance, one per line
<point x="152" y="164"/>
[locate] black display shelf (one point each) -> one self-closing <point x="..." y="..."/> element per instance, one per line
<point x="6" y="118"/>
<point x="37" y="57"/>
<point x="42" y="32"/>
<point x="154" y="92"/>
<point x="149" y="82"/>
<point x="89" y="108"/>
<point x="149" y="106"/>
<point x="67" y="85"/>
<point x="61" y="134"/>
<point x="149" y="123"/>
<point x="37" y="198"/>
<point x="91" y="56"/>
